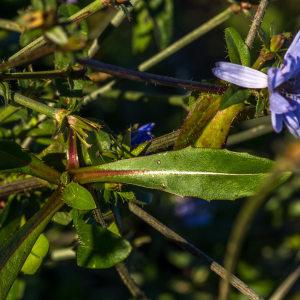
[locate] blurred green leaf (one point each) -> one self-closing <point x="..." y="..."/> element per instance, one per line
<point x="210" y="174"/>
<point x="78" y="197"/>
<point x="99" y="248"/>
<point x="153" y="19"/>
<point x="62" y="218"/>
<point x="12" y="156"/>
<point x="35" y="257"/>
<point x="17" y="290"/>
<point x="237" y="49"/>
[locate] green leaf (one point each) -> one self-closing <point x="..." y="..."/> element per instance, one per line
<point x="78" y="197"/>
<point x="238" y="51"/>
<point x="154" y="18"/>
<point x="201" y="113"/>
<point x="35" y="258"/>
<point x="14" y="254"/>
<point x="17" y="290"/>
<point x="12" y="156"/>
<point x="233" y="96"/>
<point x="99" y="248"/>
<point x="210" y="174"/>
<point x="4" y="86"/>
<point x="62" y="217"/>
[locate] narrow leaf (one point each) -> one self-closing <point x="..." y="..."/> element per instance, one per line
<point x="210" y="174"/>
<point x="237" y="49"/>
<point x="14" y="254"/>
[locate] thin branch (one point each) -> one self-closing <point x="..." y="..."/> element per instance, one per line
<point x="22" y="185"/>
<point x="50" y="74"/>
<point x="249" y="134"/>
<point x="182" y="242"/>
<point x="129" y="282"/>
<point x="151" y="78"/>
<point x="260" y="12"/>
<point x="286" y="285"/>
<point x="187" y="39"/>
<point x="242" y="224"/>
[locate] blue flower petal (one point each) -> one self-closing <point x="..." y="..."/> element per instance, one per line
<point x="142" y="134"/>
<point x="240" y="75"/>
<point x="280" y="105"/>
<point x="291" y="64"/>
<point x="147" y="127"/>
<point x="277" y="121"/>
<point x="291" y="120"/>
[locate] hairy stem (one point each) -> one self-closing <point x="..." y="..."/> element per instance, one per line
<point x="256" y="22"/>
<point x="21" y="185"/>
<point x="151" y="78"/>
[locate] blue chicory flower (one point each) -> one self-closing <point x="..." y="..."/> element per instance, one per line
<point x="142" y="134"/>
<point x="283" y="84"/>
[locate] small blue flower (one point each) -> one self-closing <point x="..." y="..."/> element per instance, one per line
<point x="142" y="134"/>
<point x="194" y="212"/>
<point x="283" y="84"/>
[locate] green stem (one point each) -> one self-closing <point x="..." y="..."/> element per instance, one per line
<point x="32" y="104"/>
<point x="10" y="25"/>
<point x="51" y="74"/>
<point x="187" y="39"/>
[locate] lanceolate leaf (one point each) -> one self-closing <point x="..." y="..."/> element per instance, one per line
<point x="210" y="174"/>
<point x="15" y="252"/>
<point x="237" y="49"/>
